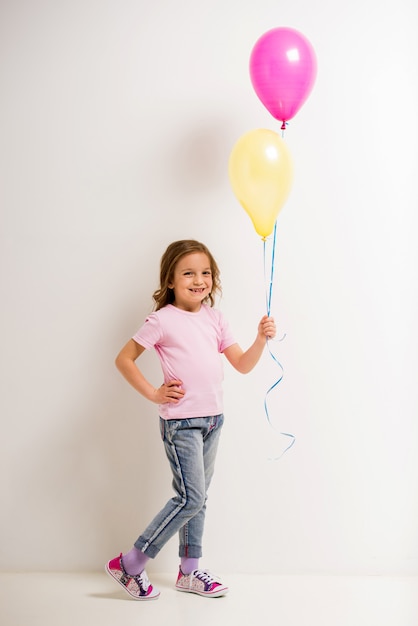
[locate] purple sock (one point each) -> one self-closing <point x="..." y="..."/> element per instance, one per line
<point x="188" y="565"/>
<point x="134" y="561"/>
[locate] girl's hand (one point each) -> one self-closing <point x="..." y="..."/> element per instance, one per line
<point x="169" y="392"/>
<point x="267" y="327"/>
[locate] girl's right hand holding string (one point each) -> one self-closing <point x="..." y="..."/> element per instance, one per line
<point x="169" y="392"/>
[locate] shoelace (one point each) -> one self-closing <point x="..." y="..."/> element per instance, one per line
<point x="143" y="578"/>
<point x="204" y="576"/>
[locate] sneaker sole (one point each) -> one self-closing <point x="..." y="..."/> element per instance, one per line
<point x="153" y="596"/>
<point x="214" y="594"/>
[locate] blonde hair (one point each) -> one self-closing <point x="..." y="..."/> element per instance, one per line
<point x="175" y="251"/>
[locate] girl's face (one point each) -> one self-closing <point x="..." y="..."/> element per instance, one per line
<point x="192" y="281"/>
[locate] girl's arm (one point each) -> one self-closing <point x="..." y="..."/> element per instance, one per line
<point x="244" y="362"/>
<point x="125" y="362"/>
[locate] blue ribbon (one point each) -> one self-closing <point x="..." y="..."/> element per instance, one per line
<point x="269" y="295"/>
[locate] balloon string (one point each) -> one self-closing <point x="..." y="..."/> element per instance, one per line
<point x="269" y="291"/>
<point x="269" y="294"/>
<point x="283" y="127"/>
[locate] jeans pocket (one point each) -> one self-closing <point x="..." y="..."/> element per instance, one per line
<point x="169" y="428"/>
<point x="162" y="428"/>
<point x="217" y="422"/>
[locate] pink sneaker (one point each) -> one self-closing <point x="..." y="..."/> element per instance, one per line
<point x="138" y="587"/>
<point x="201" y="582"/>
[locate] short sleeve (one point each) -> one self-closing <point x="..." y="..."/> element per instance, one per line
<point x="150" y="333"/>
<point x="226" y="337"/>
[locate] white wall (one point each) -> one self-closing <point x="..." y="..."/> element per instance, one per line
<point x="117" y="122"/>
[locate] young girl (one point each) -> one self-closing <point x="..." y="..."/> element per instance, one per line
<point x="188" y="335"/>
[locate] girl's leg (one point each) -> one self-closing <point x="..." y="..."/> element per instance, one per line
<point x="191" y="533"/>
<point x="185" y="449"/>
<point x="135" y="561"/>
<point x="188" y="565"/>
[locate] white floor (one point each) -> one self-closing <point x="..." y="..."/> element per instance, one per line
<point x="89" y="599"/>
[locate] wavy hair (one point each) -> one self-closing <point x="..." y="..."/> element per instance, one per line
<point x="176" y="251"/>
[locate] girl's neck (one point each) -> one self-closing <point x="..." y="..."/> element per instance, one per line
<point x="192" y="309"/>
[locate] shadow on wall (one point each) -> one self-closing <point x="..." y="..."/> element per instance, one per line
<point x="96" y="476"/>
<point x="198" y="158"/>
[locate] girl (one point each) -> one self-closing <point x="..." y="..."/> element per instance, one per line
<point x="188" y="334"/>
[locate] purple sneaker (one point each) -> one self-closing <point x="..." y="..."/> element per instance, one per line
<point x="138" y="587"/>
<point x="201" y="582"/>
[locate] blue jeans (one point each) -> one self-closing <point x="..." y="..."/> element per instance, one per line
<point x="191" y="446"/>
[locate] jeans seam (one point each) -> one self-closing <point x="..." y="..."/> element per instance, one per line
<point x="209" y="427"/>
<point x="176" y="511"/>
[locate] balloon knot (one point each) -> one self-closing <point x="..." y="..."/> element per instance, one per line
<point x="283" y="126"/>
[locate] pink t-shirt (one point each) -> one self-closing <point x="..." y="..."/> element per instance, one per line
<point x="189" y="346"/>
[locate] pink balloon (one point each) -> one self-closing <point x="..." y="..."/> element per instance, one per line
<point x="283" y="71"/>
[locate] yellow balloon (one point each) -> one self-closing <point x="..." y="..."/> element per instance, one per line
<point x="261" y="174"/>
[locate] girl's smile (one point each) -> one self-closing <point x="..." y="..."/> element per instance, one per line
<point x="192" y="281"/>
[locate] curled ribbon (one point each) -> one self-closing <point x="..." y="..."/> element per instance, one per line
<point x="269" y="294"/>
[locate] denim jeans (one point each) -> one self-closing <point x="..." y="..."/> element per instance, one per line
<point x="191" y="446"/>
